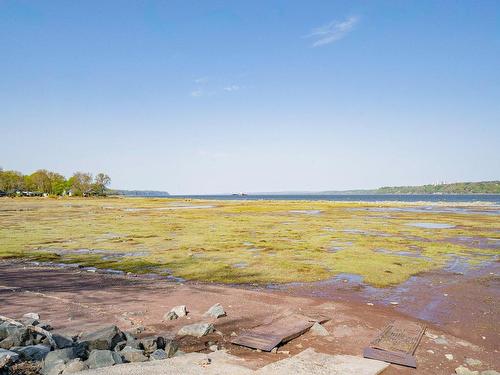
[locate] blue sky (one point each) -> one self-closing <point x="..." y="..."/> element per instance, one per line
<point x="229" y="96"/>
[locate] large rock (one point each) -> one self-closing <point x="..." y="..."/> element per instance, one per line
<point x="33" y="352"/>
<point x="73" y="366"/>
<point x="103" y="339"/>
<point x="171" y="315"/>
<point x="103" y="358"/>
<point x="130" y="354"/>
<point x="62" y="341"/>
<point x="171" y="347"/>
<point x="8" y="329"/>
<point x="19" y="337"/>
<point x="150" y="344"/>
<point x="216" y="311"/>
<point x="54" y="362"/>
<point x="197" y="330"/>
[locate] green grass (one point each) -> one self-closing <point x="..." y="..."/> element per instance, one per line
<point x="239" y="241"/>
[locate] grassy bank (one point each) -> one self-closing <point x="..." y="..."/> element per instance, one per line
<point x="243" y="241"/>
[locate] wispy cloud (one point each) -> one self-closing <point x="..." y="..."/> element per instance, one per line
<point x="201" y="80"/>
<point x="333" y="31"/>
<point x="232" y="88"/>
<point x="197" y="93"/>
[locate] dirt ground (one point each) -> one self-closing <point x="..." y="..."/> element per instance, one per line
<point x="73" y="301"/>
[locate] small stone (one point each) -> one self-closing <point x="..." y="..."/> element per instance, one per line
<point x="213" y="348"/>
<point x="216" y="311"/>
<point x="32" y="315"/>
<point x="318" y="330"/>
<point x="233" y="334"/>
<point x="283" y="352"/>
<point x="171" y="315"/>
<point x="430" y="351"/>
<point x="490" y="372"/>
<point x="369" y="304"/>
<point x="394" y="303"/>
<point x="205" y="362"/>
<point x="130" y="354"/>
<point x="298" y="346"/>
<point x="449" y="357"/>
<point x="465" y="371"/>
<point x="103" y="358"/>
<point x="157" y="355"/>
<point x="197" y="330"/>
<point x="180" y="311"/>
<point x="275" y="350"/>
<point x="473" y="362"/>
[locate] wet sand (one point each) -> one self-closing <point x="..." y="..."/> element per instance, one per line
<point x="73" y="301"/>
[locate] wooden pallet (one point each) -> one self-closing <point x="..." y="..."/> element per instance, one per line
<point x="396" y="343"/>
<point x="266" y="337"/>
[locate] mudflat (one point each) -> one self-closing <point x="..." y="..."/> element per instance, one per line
<point x="74" y="300"/>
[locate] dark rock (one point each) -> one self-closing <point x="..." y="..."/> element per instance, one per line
<point x="103" y="358"/>
<point x="62" y="341"/>
<point x="44" y="325"/>
<point x="133" y="355"/>
<point x="103" y="339"/>
<point x="120" y="346"/>
<point x="33" y="352"/>
<point x="150" y="344"/>
<point x="82" y="350"/>
<point x="171" y="315"/>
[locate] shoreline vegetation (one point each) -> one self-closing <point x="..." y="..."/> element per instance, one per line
<point x="241" y="242"/>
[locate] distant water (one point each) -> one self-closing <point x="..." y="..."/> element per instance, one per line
<point x="491" y="198"/>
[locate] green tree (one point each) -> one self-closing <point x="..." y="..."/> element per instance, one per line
<point x="101" y="181"/>
<point x="81" y="183"/>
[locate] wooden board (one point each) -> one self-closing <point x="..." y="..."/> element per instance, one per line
<point x="268" y="336"/>
<point x="396" y="343"/>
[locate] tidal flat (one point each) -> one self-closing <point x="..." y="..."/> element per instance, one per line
<point x="251" y="242"/>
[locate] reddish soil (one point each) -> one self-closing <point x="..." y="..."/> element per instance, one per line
<point x="73" y="301"/>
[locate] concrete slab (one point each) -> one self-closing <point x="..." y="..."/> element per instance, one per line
<point x="310" y="362"/>
<point x="307" y="362"/>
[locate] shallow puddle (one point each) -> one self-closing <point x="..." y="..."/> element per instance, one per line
<point x="432" y="225"/>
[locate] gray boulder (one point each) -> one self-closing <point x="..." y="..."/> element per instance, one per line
<point x="150" y="344"/>
<point x="33" y="352"/>
<point x="8" y="329"/>
<point x="103" y="358"/>
<point x="197" y="330"/>
<point x="18" y="338"/>
<point x="171" y="347"/>
<point x="130" y="354"/>
<point x="73" y="366"/>
<point x="216" y="311"/>
<point x="54" y="362"/>
<point x="62" y="341"/>
<point x="103" y="339"/>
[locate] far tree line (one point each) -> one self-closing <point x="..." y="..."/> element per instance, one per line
<point x="44" y="182"/>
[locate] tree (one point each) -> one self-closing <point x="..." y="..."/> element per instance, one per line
<point x="40" y="181"/>
<point x="10" y="181"/>
<point x="100" y="182"/>
<point x="81" y="183"/>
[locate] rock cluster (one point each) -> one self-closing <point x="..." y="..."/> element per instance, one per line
<point x="55" y="354"/>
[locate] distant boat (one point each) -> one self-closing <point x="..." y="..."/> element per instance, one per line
<point x="240" y="194"/>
